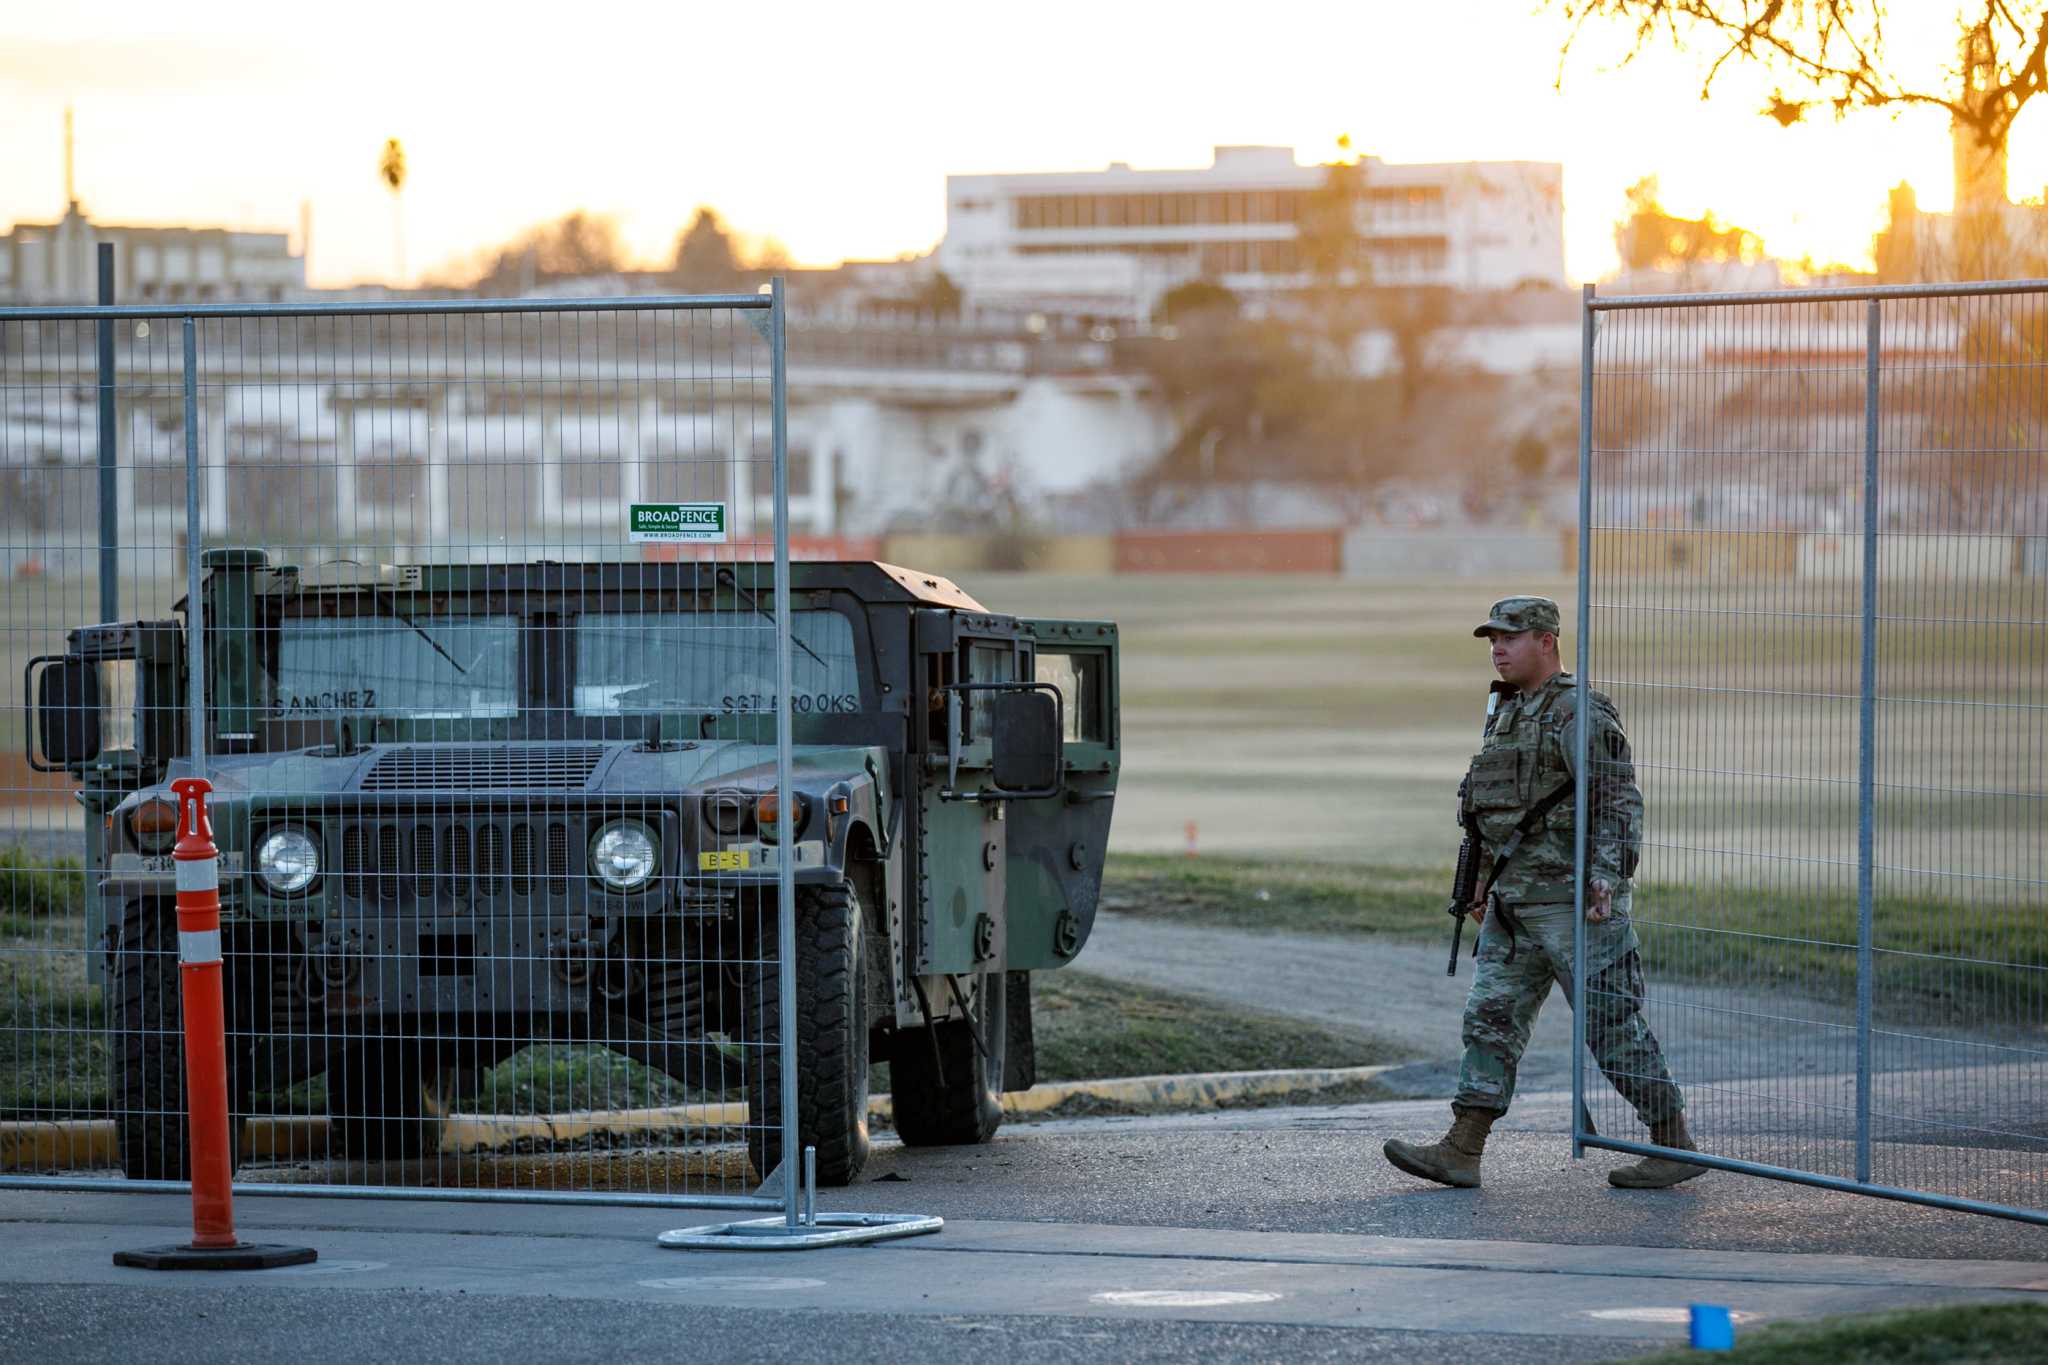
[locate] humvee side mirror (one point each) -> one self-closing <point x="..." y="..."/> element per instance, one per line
<point x="67" y="712"/>
<point x="1026" y="742"/>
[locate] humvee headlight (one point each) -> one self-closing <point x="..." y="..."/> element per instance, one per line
<point x="768" y="815"/>
<point x="287" y="860"/>
<point x="154" y="825"/>
<point x="726" y="812"/>
<point x="623" y="856"/>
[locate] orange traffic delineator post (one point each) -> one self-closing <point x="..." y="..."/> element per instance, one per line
<point x="214" y="1245"/>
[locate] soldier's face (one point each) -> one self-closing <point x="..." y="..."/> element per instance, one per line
<point x="1521" y="657"/>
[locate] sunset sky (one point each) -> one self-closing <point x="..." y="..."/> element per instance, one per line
<point x="831" y="127"/>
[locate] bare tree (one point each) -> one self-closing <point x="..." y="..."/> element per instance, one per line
<point x="707" y="259"/>
<point x="1332" y="213"/>
<point x="577" y="245"/>
<point x="1417" y="322"/>
<point x="1833" y="53"/>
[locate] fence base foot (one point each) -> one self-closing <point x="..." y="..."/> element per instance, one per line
<point x="775" y="1234"/>
<point x="241" y="1256"/>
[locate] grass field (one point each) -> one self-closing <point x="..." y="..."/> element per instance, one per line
<point x="1312" y="732"/>
<point x="1330" y="719"/>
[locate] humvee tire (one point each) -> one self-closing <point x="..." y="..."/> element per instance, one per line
<point x="377" y="1107"/>
<point x="831" y="1039"/>
<point x="147" y="1005"/>
<point x="946" y="1090"/>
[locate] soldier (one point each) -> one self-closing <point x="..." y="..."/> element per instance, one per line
<point x="1522" y="780"/>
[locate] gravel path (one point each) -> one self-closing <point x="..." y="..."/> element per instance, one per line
<point x="1398" y="993"/>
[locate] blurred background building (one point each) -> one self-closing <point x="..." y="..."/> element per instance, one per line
<point x="51" y="263"/>
<point x="1112" y="242"/>
<point x="1085" y="354"/>
<point x="55" y="263"/>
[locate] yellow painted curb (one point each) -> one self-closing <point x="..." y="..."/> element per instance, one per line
<point x="489" y="1132"/>
<point x="76" y="1144"/>
<point x="67" y="1144"/>
<point x="1202" y="1090"/>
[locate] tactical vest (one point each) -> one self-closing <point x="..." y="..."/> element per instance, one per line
<point x="1521" y="762"/>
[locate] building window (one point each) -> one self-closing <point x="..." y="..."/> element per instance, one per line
<point x="598" y="479"/>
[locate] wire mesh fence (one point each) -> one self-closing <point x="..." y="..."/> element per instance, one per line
<point x="1814" y="579"/>
<point x="471" y="614"/>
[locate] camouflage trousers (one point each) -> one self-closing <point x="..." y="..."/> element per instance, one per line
<point x="1505" y="996"/>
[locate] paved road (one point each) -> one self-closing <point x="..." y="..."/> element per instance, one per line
<point x="1342" y="1257"/>
<point x="467" y="1282"/>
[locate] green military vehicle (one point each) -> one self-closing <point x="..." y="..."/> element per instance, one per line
<point x="465" y="808"/>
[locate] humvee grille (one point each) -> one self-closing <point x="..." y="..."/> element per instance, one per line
<point x="390" y="861"/>
<point x="484" y="767"/>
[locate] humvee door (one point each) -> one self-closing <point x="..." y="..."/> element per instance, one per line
<point x="1056" y="845"/>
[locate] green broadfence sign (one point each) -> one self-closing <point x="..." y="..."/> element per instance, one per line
<point x="697" y="521"/>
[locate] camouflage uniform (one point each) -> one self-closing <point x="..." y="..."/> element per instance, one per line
<point x="1528" y="754"/>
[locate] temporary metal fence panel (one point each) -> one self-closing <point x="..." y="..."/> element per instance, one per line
<point x="1810" y="578"/>
<point x="492" y="680"/>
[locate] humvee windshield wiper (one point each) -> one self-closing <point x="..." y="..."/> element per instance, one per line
<point x="727" y="576"/>
<point x="392" y="609"/>
<point x="395" y="610"/>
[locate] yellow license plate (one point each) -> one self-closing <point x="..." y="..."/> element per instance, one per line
<point x="726" y="860"/>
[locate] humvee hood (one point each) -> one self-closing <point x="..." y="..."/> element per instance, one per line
<point x="463" y="770"/>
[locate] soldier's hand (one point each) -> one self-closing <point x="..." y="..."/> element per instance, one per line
<point x="1599" y="900"/>
<point x="1478" y="910"/>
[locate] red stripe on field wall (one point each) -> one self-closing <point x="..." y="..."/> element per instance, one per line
<point x="800" y="547"/>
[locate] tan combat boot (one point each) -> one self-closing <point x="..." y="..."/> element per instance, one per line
<point x="1656" y="1172"/>
<point x="1454" y="1160"/>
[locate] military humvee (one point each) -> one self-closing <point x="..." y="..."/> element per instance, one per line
<point x="463" y="807"/>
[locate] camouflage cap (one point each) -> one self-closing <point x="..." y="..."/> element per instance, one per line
<point x="1513" y="614"/>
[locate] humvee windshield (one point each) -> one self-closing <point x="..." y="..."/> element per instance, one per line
<point x="630" y="661"/>
<point x="430" y="667"/>
<point x="625" y="662"/>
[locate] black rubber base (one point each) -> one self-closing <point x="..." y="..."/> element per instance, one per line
<point x="241" y="1256"/>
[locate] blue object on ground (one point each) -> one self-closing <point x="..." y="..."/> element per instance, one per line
<point x="1713" y="1328"/>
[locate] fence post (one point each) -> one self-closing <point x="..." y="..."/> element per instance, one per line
<point x="1579" y="793"/>
<point x="195" y="613"/>
<point x="785" y="876"/>
<point x="1866" y="744"/>
<point x="110" y="509"/>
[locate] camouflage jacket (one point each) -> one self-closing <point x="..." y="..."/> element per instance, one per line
<point x="1527" y="755"/>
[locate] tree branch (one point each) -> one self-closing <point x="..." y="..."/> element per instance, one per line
<point x="1835" y="46"/>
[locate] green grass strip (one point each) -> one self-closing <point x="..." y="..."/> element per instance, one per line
<point x="40" y="886"/>
<point x="1974" y="1334"/>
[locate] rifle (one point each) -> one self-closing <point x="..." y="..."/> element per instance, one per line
<point x="1465" y="882"/>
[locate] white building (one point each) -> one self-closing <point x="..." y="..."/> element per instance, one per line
<point x="1111" y="242"/>
<point x="51" y="263"/>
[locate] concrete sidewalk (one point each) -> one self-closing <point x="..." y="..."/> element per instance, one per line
<point x="1148" y="1292"/>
